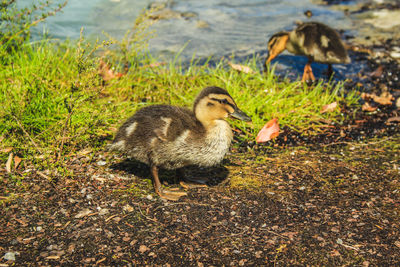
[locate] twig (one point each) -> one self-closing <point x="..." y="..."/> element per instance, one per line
<point x="43" y="175"/>
<point x="147" y="217"/>
<point x="272" y="232"/>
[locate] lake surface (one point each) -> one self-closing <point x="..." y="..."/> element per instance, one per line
<point x="214" y="28"/>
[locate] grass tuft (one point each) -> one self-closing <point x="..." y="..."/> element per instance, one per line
<point x="54" y="103"/>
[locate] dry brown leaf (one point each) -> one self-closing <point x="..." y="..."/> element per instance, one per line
<point x="368" y="107"/>
<point x="107" y="73"/>
<point x="6" y="150"/>
<point x="329" y="108"/>
<point x="83" y="213"/>
<point x="241" y="68"/>
<point x="9" y="162"/>
<point x="155" y="65"/>
<point x="335" y="253"/>
<point x="394" y="119"/>
<point x="378" y="72"/>
<point x="143" y="248"/>
<point x="384" y="99"/>
<point x="269" y="131"/>
<point x="17" y="161"/>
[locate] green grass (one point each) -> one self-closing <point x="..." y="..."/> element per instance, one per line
<point x="53" y="103"/>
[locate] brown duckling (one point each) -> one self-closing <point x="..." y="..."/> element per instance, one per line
<point x="170" y="137"/>
<point x="318" y="42"/>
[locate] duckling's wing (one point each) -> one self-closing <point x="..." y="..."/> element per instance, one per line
<point x="174" y="122"/>
<point x="163" y="122"/>
<point x="321" y="43"/>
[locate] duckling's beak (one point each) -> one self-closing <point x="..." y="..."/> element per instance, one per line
<point x="238" y="114"/>
<point x="271" y="56"/>
<point x="268" y="60"/>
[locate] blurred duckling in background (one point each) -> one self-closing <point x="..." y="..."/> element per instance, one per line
<point x="315" y="40"/>
<point x="170" y="137"/>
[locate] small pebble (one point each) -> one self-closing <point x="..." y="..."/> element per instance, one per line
<point x="395" y="54"/>
<point x="103" y="212"/>
<point x="149" y="197"/>
<point x="10" y="256"/>
<point x="101" y="163"/>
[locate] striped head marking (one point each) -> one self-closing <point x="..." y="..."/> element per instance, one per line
<point x="216" y="104"/>
<point x="276" y="45"/>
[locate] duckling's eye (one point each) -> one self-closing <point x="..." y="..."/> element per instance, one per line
<point x="223" y="101"/>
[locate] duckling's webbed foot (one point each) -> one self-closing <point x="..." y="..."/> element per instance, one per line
<point x="190" y="182"/>
<point x="308" y="74"/>
<point x="166" y="194"/>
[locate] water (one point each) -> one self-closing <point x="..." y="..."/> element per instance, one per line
<point x="240" y="27"/>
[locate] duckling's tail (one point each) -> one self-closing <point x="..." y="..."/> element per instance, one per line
<point x="116" y="146"/>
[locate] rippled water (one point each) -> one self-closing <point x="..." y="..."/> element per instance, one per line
<point x="240" y="26"/>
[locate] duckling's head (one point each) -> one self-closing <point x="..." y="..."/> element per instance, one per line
<point x="215" y="103"/>
<point x="276" y="45"/>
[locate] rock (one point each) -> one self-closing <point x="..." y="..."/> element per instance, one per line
<point x="101" y="163"/>
<point x="10" y="256"/>
<point x="127" y="208"/>
<point x="103" y="212"/>
<point x="385" y="19"/>
<point x="202" y="24"/>
<point x="166" y="13"/>
<point x="395" y="54"/>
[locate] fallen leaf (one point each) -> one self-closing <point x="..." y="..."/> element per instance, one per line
<point x="384" y="99"/>
<point x="241" y="68"/>
<point x="83" y="213"/>
<point x="17" y="161"/>
<point x="143" y="248"/>
<point x="394" y="119"/>
<point x="155" y="65"/>
<point x="378" y="72"/>
<point x="335" y="253"/>
<point x="9" y="162"/>
<point x="6" y="150"/>
<point x="368" y="107"/>
<point x="329" y="108"/>
<point x="107" y="73"/>
<point x="268" y="132"/>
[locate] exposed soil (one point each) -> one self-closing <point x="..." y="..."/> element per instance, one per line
<point x="329" y="199"/>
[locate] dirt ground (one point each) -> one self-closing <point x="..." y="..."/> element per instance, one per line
<point x="303" y="202"/>
<point x="327" y="200"/>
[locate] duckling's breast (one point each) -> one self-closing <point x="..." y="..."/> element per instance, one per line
<point x="192" y="148"/>
<point x="216" y="144"/>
